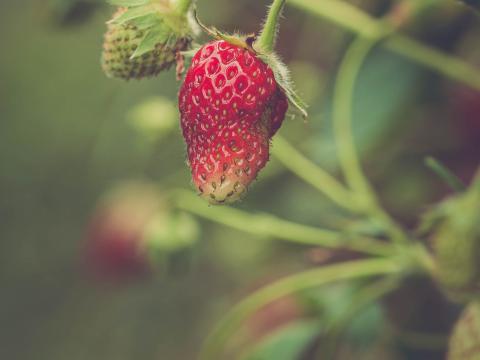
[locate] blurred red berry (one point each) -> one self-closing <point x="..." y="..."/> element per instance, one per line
<point x="116" y="248"/>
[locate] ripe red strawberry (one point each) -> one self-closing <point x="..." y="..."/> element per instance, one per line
<point x="231" y="106"/>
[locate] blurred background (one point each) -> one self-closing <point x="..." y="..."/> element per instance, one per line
<point x="69" y="135"/>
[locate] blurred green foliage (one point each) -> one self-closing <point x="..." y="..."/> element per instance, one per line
<point x="67" y="133"/>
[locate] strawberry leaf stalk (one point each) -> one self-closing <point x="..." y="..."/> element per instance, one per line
<point x="233" y="100"/>
<point x="145" y="37"/>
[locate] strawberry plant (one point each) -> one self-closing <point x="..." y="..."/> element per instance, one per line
<point x="233" y="100"/>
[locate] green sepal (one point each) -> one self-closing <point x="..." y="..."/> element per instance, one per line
<point x="234" y="39"/>
<point x="157" y="34"/>
<point x="132" y="14"/>
<point x="282" y="76"/>
<point x="128" y="3"/>
<point x="145" y="22"/>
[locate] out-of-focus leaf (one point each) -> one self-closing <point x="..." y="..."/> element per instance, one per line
<point x="287" y="343"/>
<point x="331" y="305"/>
<point x="154" y="117"/>
<point x="171" y="232"/>
<point x="366" y="327"/>
<point x="379" y="95"/>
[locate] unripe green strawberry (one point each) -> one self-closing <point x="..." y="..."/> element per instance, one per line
<point x="456" y="244"/>
<point x="142" y="41"/>
<point x="465" y="339"/>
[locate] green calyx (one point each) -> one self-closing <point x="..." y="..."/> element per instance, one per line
<point x="144" y="38"/>
<point x="456" y="243"/>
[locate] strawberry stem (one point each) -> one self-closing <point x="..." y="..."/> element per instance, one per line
<point x="271" y="226"/>
<point x="183" y="6"/>
<point x="268" y="35"/>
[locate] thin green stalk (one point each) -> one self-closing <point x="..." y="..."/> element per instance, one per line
<point x="342" y="124"/>
<point x="365" y="296"/>
<point x="268" y="225"/>
<point x="313" y="174"/>
<point x="268" y="35"/>
<point x="215" y="343"/>
<point x="445" y="174"/>
<point x="183" y="6"/>
<point x="349" y="17"/>
<point x="342" y="111"/>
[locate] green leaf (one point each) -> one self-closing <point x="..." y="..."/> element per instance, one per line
<point x="374" y="114"/>
<point x="158" y="34"/>
<point x="288" y="343"/>
<point x="128" y="3"/>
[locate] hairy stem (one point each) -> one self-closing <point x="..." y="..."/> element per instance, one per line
<point x="311" y="173"/>
<point x="342" y="110"/>
<point x="345" y="15"/>
<point x="269" y="225"/>
<point x="268" y="34"/>
<point x="215" y="343"/>
<point x="342" y="123"/>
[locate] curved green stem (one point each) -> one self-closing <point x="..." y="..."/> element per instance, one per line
<point x="268" y="225"/>
<point x="183" y="6"/>
<point x="312" y="278"/>
<point x="342" y="123"/>
<point x="348" y="16"/>
<point x="311" y="173"/>
<point x="268" y="35"/>
<point x="342" y="109"/>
